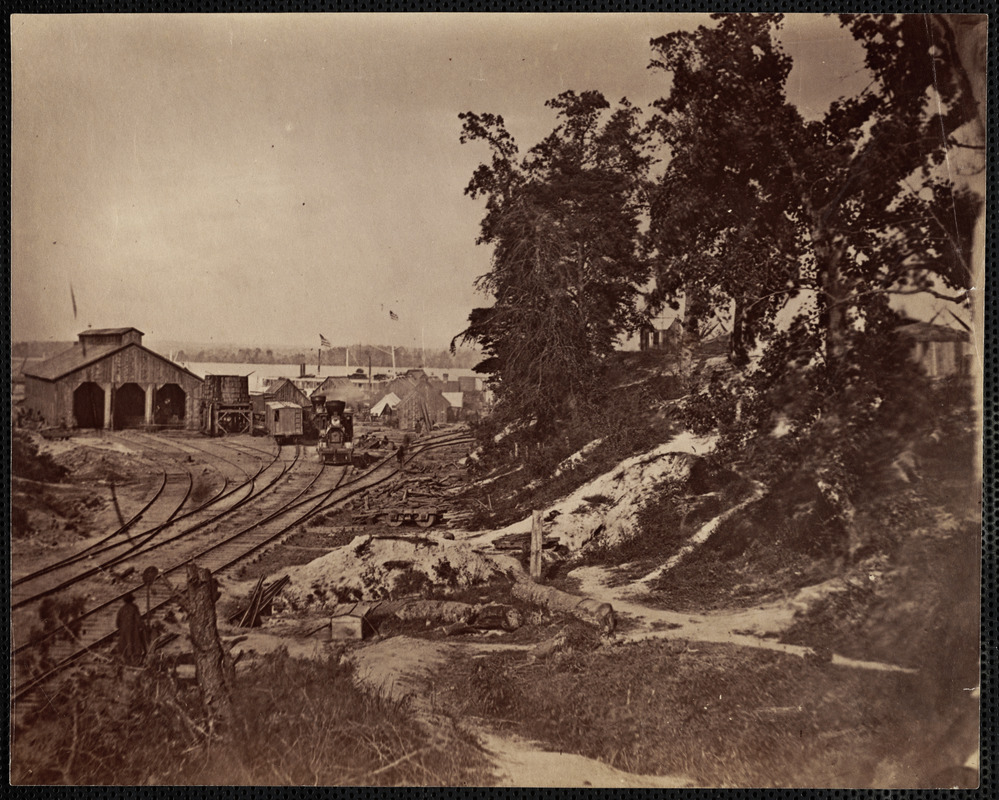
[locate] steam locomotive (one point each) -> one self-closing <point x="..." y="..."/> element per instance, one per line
<point x="335" y="426"/>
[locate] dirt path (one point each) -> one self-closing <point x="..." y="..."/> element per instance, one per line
<point x="401" y="666"/>
<point x="747" y="628"/>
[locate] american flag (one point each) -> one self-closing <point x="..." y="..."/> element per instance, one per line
<point x="393" y="315"/>
<point x="323" y="341"/>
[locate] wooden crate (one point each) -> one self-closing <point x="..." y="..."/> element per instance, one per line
<point x="347" y="627"/>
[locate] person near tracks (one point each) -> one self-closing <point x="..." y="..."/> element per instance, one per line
<point x="401" y="454"/>
<point x="131" y="633"/>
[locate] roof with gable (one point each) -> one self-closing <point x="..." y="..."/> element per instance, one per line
<point x="78" y="357"/>
<point x="109" y="331"/>
<point x="928" y="332"/>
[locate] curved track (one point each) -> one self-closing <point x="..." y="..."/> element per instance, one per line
<point x="218" y="547"/>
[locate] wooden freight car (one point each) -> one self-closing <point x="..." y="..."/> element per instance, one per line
<point x="284" y="421"/>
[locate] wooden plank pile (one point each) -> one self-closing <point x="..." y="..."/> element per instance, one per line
<point x="259" y="603"/>
<point x="414" y="493"/>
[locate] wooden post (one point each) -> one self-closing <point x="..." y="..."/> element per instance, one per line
<point x="537" y="540"/>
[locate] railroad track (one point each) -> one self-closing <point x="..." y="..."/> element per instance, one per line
<point x="120" y="558"/>
<point x="219" y="551"/>
<point x="109" y="550"/>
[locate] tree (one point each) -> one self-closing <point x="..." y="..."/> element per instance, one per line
<point x="762" y="211"/>
<point x="758" y="207"/>
<point x="567" y="260"/>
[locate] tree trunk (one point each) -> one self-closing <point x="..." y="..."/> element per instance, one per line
<point x="832" y="295"/>
<point x="592" y="611"/>
<point x="738" y="353"/>
<point x="213" y="663"/>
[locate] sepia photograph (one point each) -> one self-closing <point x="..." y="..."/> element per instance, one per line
<point x="497" y="399"/>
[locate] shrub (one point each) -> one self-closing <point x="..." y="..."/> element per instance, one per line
<point x="27" y="462"/>
<point x="295" y="722"/>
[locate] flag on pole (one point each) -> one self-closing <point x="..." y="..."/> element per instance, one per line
<point x="393" y="315"/>
<point x="73" y="298"/>
<point x="323" y="341"/>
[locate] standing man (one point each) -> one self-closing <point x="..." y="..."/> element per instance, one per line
<point x="131" y="633"/>
<point x="401" y="455"/>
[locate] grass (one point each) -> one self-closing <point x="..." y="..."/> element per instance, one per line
<point x="296" y="722"/>
<point x="716" y="713"/>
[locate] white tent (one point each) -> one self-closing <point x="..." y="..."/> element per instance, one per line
<point x="389" y="401"/>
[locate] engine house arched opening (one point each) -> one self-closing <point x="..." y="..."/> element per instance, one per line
<point x="129" y="406"/>
<point x="88" y="405"/>
<point x="169" y="405"/>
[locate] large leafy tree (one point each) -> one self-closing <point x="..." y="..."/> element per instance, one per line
<point x="770" y="215"/>
<point x="567" y="258"/>
<point x="759" y="207"/>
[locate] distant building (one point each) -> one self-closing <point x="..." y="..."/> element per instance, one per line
<point x="286" y="391"/>
<point x="108" y="379"/>
<point x="940" y="351"/>
<point x="423" y="403"/>
<point x="651" y="337"/>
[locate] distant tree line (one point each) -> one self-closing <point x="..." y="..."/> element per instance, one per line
<point x="37" y="349"/>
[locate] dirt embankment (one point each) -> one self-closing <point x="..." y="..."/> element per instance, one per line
<point x="786" y="633"/>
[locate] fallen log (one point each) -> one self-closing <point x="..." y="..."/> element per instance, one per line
<point x="496" y="616"/>
<point x="445" y="612"/>
<point x="584" y="608"/>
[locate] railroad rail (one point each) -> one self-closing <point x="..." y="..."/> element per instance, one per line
<point x="218" y="556"/>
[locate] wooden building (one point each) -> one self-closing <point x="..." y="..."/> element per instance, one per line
<point x="651" y="337"/>
<point x="108" y="379"/>
<point x="227" y="406"/>
<point x="423" y="403"/>
<point x="939" y="350"/>
<point x="287" y="392"/>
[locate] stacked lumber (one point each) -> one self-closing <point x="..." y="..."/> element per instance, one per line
<point x="259" y="603"/>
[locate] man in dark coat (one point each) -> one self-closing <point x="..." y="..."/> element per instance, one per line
<point x="131" y="633"/>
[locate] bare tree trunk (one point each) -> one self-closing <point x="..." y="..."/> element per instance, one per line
<point x="738" y="352"/>
<point x="213" y="663"/>
<point x="584" y="608"/>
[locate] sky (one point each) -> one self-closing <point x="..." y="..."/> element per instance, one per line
<point x="264" y="179"/>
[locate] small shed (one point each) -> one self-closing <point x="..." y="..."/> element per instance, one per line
<point x="651" y="337"/>
<point x="457" y="410"/>
<point x="288" y="392"/>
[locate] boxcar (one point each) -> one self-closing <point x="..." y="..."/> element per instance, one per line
<point x="284" y="421"/>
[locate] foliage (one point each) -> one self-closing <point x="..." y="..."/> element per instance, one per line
<point x="27" y="462"/>
<point x="295" y="723"/>
<point x="759" y="205"/>
<point x="567" y="260"/>
<point x="764" y="213"/>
